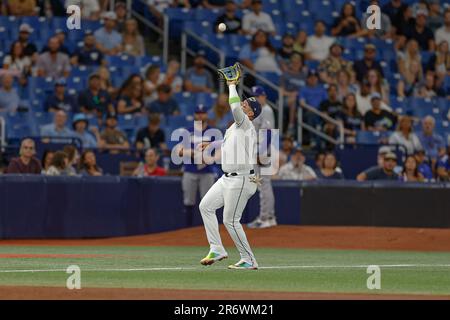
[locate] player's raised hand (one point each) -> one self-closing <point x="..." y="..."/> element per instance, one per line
<point x="232" y="82"/>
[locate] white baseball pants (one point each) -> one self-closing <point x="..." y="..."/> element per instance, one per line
<point x="231" y="193"/>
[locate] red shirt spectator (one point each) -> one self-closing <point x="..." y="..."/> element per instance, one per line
<point x="150" y="168"/>
<point x="26" y="163"/>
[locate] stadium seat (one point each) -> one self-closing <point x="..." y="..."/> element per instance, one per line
<point x="368" y="137"/>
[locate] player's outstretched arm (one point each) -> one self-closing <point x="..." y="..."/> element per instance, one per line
<point x="235" y="103"/>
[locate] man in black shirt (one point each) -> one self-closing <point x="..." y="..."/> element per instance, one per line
<point x="395" y="9"/>
<point x="386" y="172"/>
<point x="377" y="119"/>
<point x="368" y="62"/>
<point x="420" y="32"/>
<point x="94" y="99"/>
<point x="233" y="23"/>
<point x="29" y="49"/>
<point x="151" y="136"/>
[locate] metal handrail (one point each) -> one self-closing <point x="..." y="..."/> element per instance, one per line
<point x="301" y="124"/>
<point x="2" y="132"/>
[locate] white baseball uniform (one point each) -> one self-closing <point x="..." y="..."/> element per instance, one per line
<point x="232" y="192"/>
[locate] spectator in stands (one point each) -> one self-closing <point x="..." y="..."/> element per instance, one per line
<point x="157" y="8"/>
<point x="443" y="33"/>
<point x="230" y="19"/>
<point x="171" y="77"/>
<point x="291" y="81"/>
<point x="46" y="160"/>
<point x="259" y="54"/>
<point x="88" y="54"/>
<point x="409" y="83"/>
<point x="109" y="41"/>
<point x="29" y="48"/>
<point x="9" y="98"/>
<point x="285" y="52"/>
<point x="384" y="172"/>
<point x="58" y="165"/>
<point x="422" y="165"/>
<point x="443" y="167"/>
<point x="368" y="62"/>
<point x="351" y="118"/>
<point x="331" y="105"/>
<point x="395" y="10"/>
<point x="257" y="20"/>
<point x="404" y="136"/>
<point x="90" y="9"/>
<point x="328" y="170"/>
<point x="378" y="85"/>
<point x="151" y="136"/>
<point x="435" y="16"/>
<point x="300" y="42"/>
<point x="53" y="63"/>
<point x="384" y="32"/>
<point x="364" y="98"/>
<point x="26" y="163"/>
<point x="131" y="96"/>
<point x="95" y="100"/>
<point x="346" y="24"/>
<point x="410" y="171"/>
<point x="165" y="104"/>
<point x="72" y="159"/>
<point x="198" y="78"/>
<point x="105" y="80"/>
<point x="378" y="119"/>
<point x="59" y="99"/>
<point x="344" y="84"/>
<point x="88" y="164"/>
<point x="440" y="60"/>
<point x="58" y="128"/>
<point x="431" y="142"/>
<point x="410" y="63"/>
<point x="313" y="93"/>
<point x="120" y="9"/>
<point x="318" y="44"/>
<point x="111" y="137"/>
<point x="21" y="8"/>
<point x="80" y="125"/>
<point x="150" y="168"/>
<point x="17" y="63"/>
<point x="429" y="87"/>
<point x="420" y="32"/>
<point x="318" y="161"/>
<point x="329" y="68"/>
<point x="296" y="169"/>
<point x="220" y="116"/>
<point x="287" y="148"/>
<point x="61" y="36"/>
<point x="153" y="78"/>
<point x="133" y="43"/>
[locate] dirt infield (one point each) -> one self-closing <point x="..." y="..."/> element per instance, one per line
<point x="285" y="237"/>
<point x="53" y="293"/>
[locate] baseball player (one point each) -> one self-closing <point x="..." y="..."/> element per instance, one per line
<point x="236" y="186"/>
<point x="196" y="177"/>
<point x="266" y="120"/>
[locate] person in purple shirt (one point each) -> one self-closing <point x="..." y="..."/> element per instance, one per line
<point x="430" y="141"/>
<point x="26" y="163"/>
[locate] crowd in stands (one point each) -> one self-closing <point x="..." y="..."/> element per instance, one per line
<point x="313" y="67"/>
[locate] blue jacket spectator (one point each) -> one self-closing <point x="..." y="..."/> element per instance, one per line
<point x="88" y="55"/>
<point x="313" y="93"/>
<point x="80" y="124"/>
<point x="197" y="78"/>
<point x="165" y="104"/>
<point x="422" y="166"/>
<point x="431" y="142"/>
<point x="9" y="99"/>
<point x="59" y="100"/>
<point x="109" y="41"/>
<point x="58" y="128"/>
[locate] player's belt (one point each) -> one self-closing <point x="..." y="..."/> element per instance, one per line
<point x="234" y="174"/>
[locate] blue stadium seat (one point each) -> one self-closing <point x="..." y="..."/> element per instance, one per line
<point x="207" y="99"/>
<point x="368" y="137"/>
<point x="120" y="61"/>
<point x="206" y="15"/>
<point x="199" y="27"/>
<point x="422" y="107"/>
<point x="178" y="121"/>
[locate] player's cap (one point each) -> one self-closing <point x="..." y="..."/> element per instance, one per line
<point x="60" y="82"/>
<point x="390" y="156"/>
<point x="201" y="108"/>
<point x="370" y="46"/>
<point x="25" y="27"/>
<point x="111" y="15"/>
<point x="256" y="107"/>
<point x="375" y="95"/>
<point x="383" y="150"/>
<point x="79" y="117"/>
<point x="258" y="91"/>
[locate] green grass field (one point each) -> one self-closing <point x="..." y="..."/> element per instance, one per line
<point x="284" y="270"/>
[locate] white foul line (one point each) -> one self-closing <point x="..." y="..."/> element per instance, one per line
<point x="208" y="268"/>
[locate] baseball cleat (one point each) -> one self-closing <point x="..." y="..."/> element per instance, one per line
<point x="242" y="265"/>
<point x="213" y="257"/>
<point x="262" y="224"/>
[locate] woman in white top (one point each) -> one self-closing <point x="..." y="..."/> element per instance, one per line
<point x="405" y="137"/>
<point x="16" y="61"/>
<point x="133" y="43"/>
<point x="58" y="165"/>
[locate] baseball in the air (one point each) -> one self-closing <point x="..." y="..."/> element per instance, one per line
<point x="222" y="27"/>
